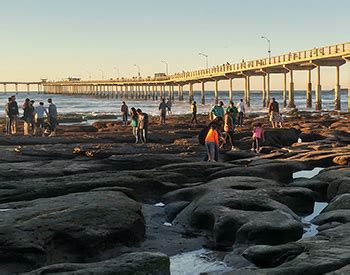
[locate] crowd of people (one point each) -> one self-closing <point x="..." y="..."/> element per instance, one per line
<point x="138" y="121"/>
<point x="37" y="119"/>
<point x="41" y="120"/>
<point x="223" y="122"/>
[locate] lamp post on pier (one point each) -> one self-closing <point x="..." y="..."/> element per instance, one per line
<point x="102" y="74"/>
<point x="138" y="70"/>
<point x="206" y="58"/>
<point x="89" y="74"/>
<point x="166" y="66"/>
<point x="115" y="68"/>
<point x="269" y="43"/>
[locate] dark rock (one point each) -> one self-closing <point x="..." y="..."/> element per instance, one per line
<point x="277" y="170"/>
<point x="281" y="137"/>
<point x="326" y="252"/>
<point x="174" y="208"/>
<point x="240" y="216"/>
<point x="266" y="256"/>
<point x="318" y="187"/>
<point x="72" y="228"/>
<point x="141" y="263"/>
<point x="308" y="137"/>
<point x="339" y="202"/>
<point x="341" y="216"/>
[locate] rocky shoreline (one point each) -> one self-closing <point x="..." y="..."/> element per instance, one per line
<point x="91" y="201"/>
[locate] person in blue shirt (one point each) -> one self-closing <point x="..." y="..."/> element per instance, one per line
<point x="217" y="111"/>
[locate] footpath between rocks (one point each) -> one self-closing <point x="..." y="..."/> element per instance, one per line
<point x="88" y="200"/>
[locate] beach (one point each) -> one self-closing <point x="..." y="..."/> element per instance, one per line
<point x="92" y="197"/>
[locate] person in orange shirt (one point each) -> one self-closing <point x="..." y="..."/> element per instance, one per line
<point x="212" y="143"/>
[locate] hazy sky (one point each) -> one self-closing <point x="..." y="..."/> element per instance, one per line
<point x="57" y="39"/>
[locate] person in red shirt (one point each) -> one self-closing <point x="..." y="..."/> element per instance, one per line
<point x="212" y="143"/>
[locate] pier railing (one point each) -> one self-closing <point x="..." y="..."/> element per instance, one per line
<point x="300" y="57"/>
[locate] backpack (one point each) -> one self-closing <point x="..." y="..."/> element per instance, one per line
<point x="202" y="135"/>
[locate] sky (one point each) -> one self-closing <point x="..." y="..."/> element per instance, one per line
<point x="56" y="39"/>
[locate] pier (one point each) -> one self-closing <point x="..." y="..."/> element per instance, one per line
<point x="174" y="86"/>
<point x="16" y="84"/>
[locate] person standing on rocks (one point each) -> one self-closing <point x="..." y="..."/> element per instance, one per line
<point x="13" y="113"/>
<point x="142" y="125"/>
<point x="124" y="110"/>
<point x="52" y="117"/>
<point x="274" y="113"/>
<point x="194" y="113"/>
<point x="217" y="111"/>
<point x="169" y="105"/>
<point x="134" y="124"/>
<point x="8" y="117"/>
<point x="40" y="111"/>
<point x="257" y="136"/>
<point x="162" y="108"/>
<point x="228" y="128"/>
<point x="32" y="124"/>
<point x="241" y="112"/>
<point x="232" y="110"/>
<point x="212" y="143"/>
<point x="28" y="111"/>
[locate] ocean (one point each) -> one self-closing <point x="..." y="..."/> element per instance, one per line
<point x="82" y="104"/>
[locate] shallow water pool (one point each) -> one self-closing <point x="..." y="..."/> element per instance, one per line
<point x="307" y="173"/>
<point x="197" y="262"/>
<point x="310" y="229"/>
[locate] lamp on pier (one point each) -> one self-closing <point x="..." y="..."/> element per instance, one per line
<point x="89" y="74"/>
<point x="102" y="74"/>
<point x="138" y="70"/>
<point x="115" y="68"/>
<point x="269" y="43"/>
<point x="206" y="58"/>
<point x="166" y="66"/>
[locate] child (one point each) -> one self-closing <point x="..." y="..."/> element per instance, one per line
<point x="212" y="143"/>
<point x="258" y="136"/>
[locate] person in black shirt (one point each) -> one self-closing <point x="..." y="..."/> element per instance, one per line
<point x="13" y="114"/>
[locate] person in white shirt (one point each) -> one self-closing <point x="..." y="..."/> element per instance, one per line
<point x="241" y="111"/>
<point x="40" y="112"/>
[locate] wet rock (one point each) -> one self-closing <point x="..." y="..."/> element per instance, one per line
<point x="174" y="208"/>
<point x="46" y="169"/>
<point x="145" y="161"/>
<point x="281" y="137"/>
<point x="277" y="170"/>
<point x="142" y="185"/>
<point x="339" y="202"/>
<point x="300" y="200"/>
<point x="308" y="137"/>
<point x="318" y="187"/>
<point x="266" y="256"/>
<point x="338" y="181"/>
<point x="329" y="251"/>
<point x="239" y="215"/>
<point x="340" y="216"/>
<point x="72" y="228"/>
<point x="142" y="263"/>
